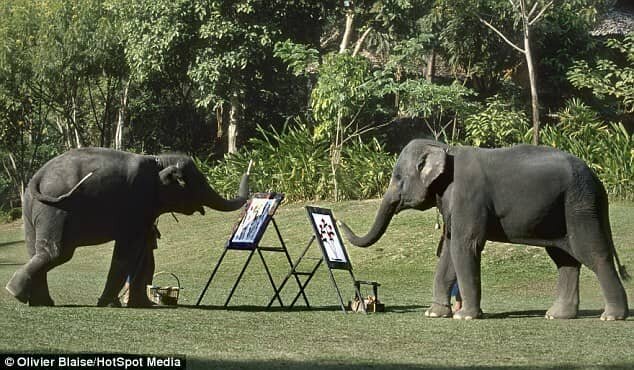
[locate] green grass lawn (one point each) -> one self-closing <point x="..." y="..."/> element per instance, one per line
<point x="518" y="287"/>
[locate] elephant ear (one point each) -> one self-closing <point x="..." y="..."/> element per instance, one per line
<point x="431" y="165"/>
<point x="171" y="175"/>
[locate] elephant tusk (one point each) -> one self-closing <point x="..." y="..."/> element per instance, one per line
<point x="249" y="168"/>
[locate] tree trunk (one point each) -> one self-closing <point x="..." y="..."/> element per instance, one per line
<point x="533" y="83"/>
<point x="431" y="66"/>
<point x="232" y="132"/>
<point x="335" y="157"/>
<point x="347" y="33"/>
<point x="118" y="139"/>
<point x="359" y="45"/>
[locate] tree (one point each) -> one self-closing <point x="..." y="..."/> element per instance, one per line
<point x="220" y="52"/>
<point x="61" y="67"/>
<point x="22" y="118"/>
<point x="528" y="18"/>
<point x="610" y="81"/>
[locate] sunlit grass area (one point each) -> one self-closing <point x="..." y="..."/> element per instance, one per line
<point x="518" y="287"/>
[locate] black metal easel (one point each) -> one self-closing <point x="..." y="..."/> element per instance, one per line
<point x="252" y="244"/>
<point x="343" y="264"/>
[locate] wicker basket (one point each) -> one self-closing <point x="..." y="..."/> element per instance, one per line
<point x="165" y="296"/>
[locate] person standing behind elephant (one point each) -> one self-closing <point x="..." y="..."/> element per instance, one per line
<point x="90" y="196"/>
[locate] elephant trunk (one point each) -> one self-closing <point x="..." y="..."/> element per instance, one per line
<point x="389" y="207"/>
<point x="214" y="201"/>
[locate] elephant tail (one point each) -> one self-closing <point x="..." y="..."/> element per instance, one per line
<point x="35" y="191"/>
<point x="622" y="271"/>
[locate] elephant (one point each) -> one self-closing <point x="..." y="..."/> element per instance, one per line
<point x="524" y="194"/>
<point x="90" y="196"/>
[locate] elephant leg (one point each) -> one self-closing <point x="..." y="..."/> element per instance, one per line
<point x="117" y="274"/>
<point x="466" y="248"/>
<point x="566" y="304"/>
<point x="444" y="279"/>
<point x="44" y="244"/>
<point x="40" y="295"/>
<point x="141" y="276"/>
<point x="591" y="244"/>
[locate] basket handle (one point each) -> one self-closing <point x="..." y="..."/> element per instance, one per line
<point x="178" y="282"/>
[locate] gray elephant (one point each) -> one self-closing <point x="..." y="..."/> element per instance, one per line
<point x="524" y="194"/>
<point x="91" y="196"/>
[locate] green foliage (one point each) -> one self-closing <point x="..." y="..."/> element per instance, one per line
<point x="561" y="37"/>
<point x="367" y="170"/>
<point x="11" y="215"/>
<point x="291" y="161"/>
<point x="606" y="148"/>
<point x="498" y="125"/>
<point x="440" y="106"/>
<point x="297" y="163"/>
<point x="300" y="58"/>
<point x="467" y="44"/>
<point x="607" y="78"/>
<point x="341" y="92"/>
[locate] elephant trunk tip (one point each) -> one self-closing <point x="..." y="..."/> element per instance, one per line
<point x="352" y="237"/>
<point x="243" y="191"/>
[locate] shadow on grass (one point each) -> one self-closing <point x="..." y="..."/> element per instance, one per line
<point x="157" y="307"/>
<point x="194" y="363"/>
<point x="538" y="313"/>
<point x="7" y="244"/>
<point x="253" y="308"/>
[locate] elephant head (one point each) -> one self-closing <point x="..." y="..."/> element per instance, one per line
<point x="423" y="169"/>
<point x="184" y="189"/>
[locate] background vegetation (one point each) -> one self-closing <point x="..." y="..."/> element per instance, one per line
<point x="518" y="286"/>
<point x="322" y="94"/>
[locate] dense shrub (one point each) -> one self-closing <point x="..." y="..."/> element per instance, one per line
<point x="498" y="125"/>
<point x="296" y="163"/>
<point x="607" y="148"/>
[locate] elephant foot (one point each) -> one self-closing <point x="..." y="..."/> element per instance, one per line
<point x="561" y="311"/>
<point x="20" y="286"/>
<point x="438" y="311"/>
<point x="41" y="303"/>
<point x="465" y="314"/>
<point x="105" y="302"/>
<point x="140" y="303"/>
<point x="45" y="300"/>
<point x="613" y="313"/>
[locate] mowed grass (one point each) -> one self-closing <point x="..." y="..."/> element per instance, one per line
<point x="518" y="287"/>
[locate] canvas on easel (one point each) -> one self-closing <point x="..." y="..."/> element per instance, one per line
<point x="255" y="218"/>
<point x="328" y="238"/>
<point x="247" y="235"/>
<point x="334" y="254"/>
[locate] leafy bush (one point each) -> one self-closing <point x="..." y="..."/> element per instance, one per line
<point x="367" y="170"/>
<point x="606" y="148"/>
<point x="297" y="163"/>
<point x="10" y="215"/>
<point x="441" y="107"/>
<point x="607" y="78"/>
<point x="499" y="124"/>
